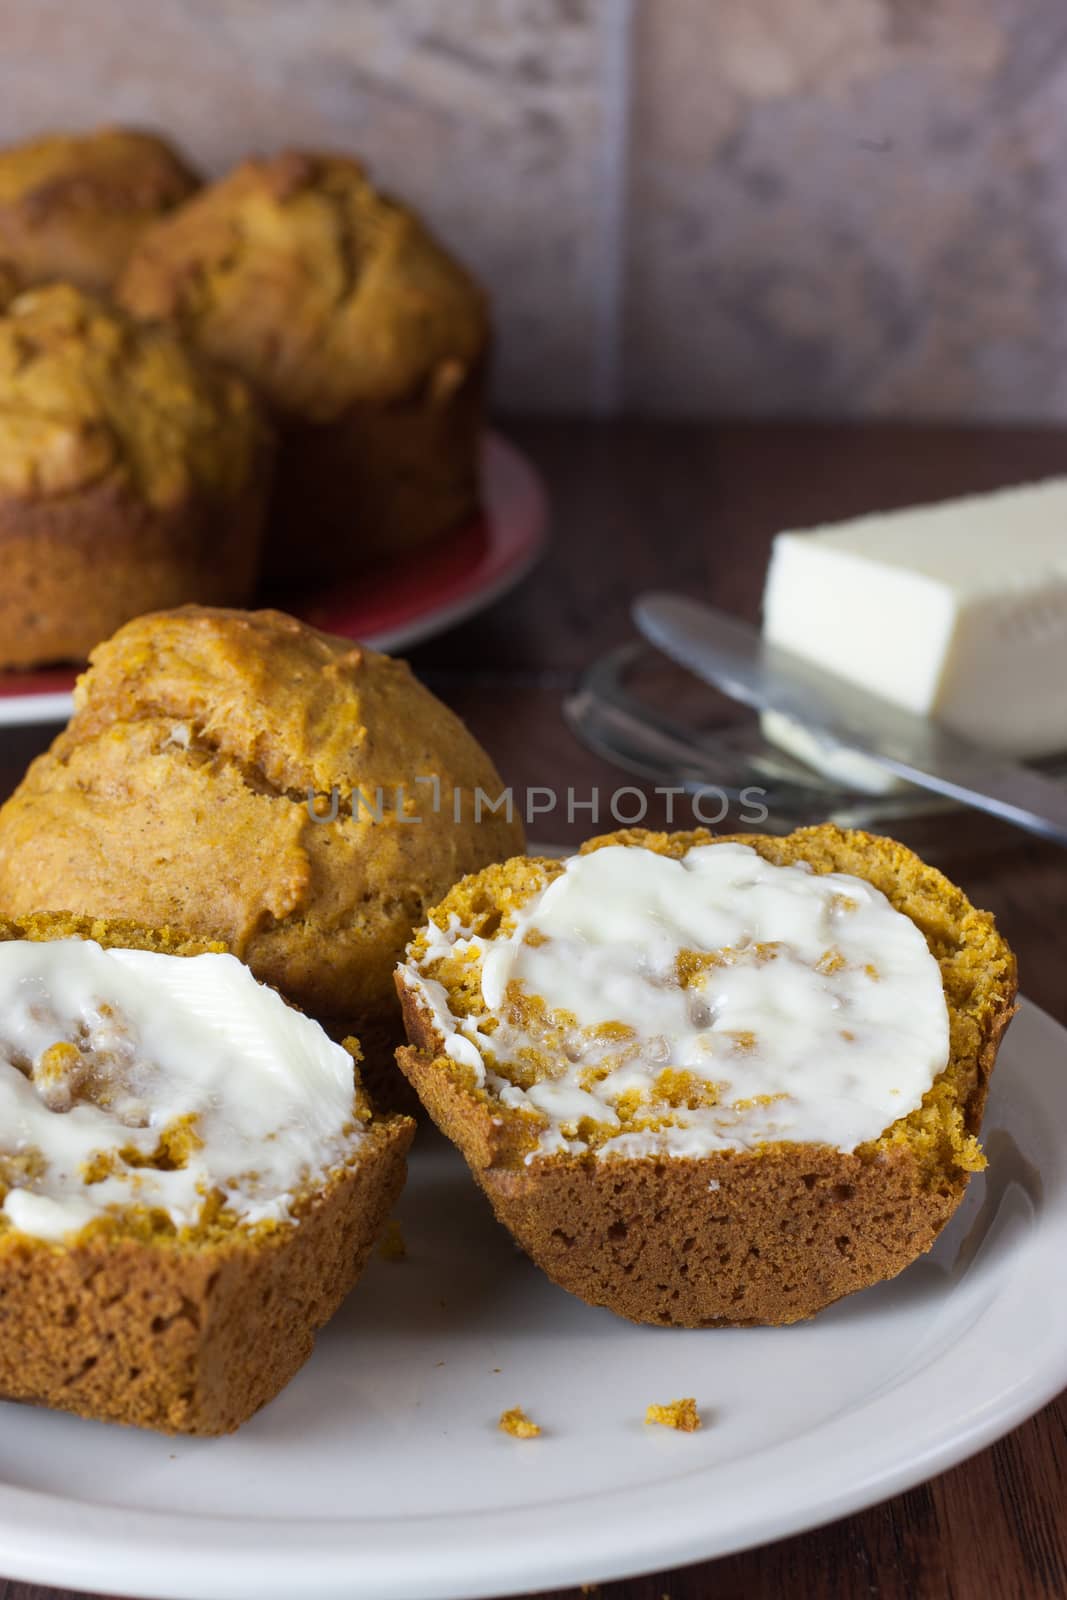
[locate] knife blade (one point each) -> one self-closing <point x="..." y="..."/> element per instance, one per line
<point x="733" y="656"/>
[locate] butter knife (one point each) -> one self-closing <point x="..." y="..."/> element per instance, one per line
<point x="733" y="656"/>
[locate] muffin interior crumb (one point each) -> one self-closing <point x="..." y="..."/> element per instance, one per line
<point x="721" y="1064"/>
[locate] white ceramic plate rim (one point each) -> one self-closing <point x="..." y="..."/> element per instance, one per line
<point x="1009" y="1362"/>
<point x="28" y="710"/>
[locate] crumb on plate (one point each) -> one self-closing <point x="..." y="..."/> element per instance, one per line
<point x="680" y="1414"/>
<point x="518" y="1424"/>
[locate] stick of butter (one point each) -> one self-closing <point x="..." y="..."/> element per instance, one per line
<point x="956" y="611"/>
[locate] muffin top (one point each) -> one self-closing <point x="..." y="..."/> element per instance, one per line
<point x="72" y="205"/>
<point x="322" y="291"/>
<point x="178" y="796"/>
<point x="89" y="398"/>
<point x="295" y="709"/>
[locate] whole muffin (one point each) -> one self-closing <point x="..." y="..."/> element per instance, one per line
<point x="178" y="796"/>
<point x="133" y="475"/>
<point x="72" y="205"/>
<point x="367" y="338"/>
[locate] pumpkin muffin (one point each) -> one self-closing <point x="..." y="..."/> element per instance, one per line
<point x="72" y="205"/>
<point x="191" y="1177"/>
<point x="366" y="337"/>
<point x="712" y="1081"/>
<point x="133" y="475"/>
<point x="179" y="795"/>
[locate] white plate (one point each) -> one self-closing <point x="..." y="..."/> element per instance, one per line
<point x="380" y="1471"/>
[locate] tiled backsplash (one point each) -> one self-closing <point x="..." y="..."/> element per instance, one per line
<point x="839" y="207"/>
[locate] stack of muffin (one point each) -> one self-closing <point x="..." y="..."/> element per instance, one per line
<point x="278" y="374"/>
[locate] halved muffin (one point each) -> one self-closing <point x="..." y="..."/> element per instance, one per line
<point x="366" y="337"/>
<point x="712" y="1081"/>
<point x="191" y="1178"/>
<point x="73" y="205"/>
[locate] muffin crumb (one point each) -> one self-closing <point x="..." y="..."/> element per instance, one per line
<point x="680" y="1414"/>
<point x="518" y="1424"/>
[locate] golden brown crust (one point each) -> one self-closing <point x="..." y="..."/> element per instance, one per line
<point x="178" y="795"/>
<point x="368" y="339"/>
<point x="132" y="476"/>
<point x="181" y="1334"/>
<point x="72" y="206"/>
<point x="769" y="1236"/>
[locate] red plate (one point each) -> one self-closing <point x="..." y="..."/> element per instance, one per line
<point x="395" y="607"/>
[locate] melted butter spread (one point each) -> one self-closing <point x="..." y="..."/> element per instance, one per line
<point x="134" y="1079"/>
<point x="645" y="1005"/>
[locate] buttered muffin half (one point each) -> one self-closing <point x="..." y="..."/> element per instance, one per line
<point x="712" y="1081"/>
<point x="191" y="1177"/>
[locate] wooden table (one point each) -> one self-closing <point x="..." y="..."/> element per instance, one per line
<point x="694" y="507"/>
